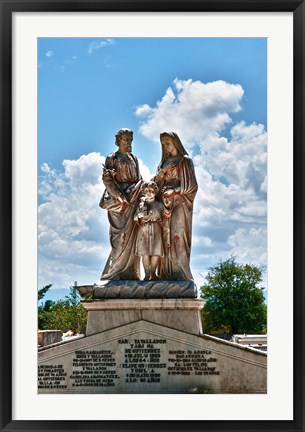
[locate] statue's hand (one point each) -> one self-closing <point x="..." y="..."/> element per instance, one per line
<point x="143" y="217"/>
<point x="167" y="203"/>
<point x="169" y="192"/>
<point x="108" y="172"/>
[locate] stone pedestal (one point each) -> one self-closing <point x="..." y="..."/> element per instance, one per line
<point x="136" y="344"/>
<point x="180" y="314"/>
<point x="143" y="357"/>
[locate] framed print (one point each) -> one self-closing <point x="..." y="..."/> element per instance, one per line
<point x="136" y="107"/>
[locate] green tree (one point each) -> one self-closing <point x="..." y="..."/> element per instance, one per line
<point x="44" y="310"/>
<point x="234" y="299"/>
<point x="42" y="292"/>
<point x="68" y="314"/>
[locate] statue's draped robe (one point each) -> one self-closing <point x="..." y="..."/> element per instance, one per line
<point x="121" y="177"/>
<point x="149" y="236"/>
<point x="179" y="175"/>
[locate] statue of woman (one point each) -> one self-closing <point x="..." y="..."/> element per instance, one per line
<point x="122" y="180"/>
<point x="177" y="182"/>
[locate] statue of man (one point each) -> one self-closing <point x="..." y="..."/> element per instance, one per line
<point x="122" y="180"/>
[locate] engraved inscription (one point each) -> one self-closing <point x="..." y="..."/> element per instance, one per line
<point x="142" y="360"/>
<point x="51" y="377"/>
<point x="94" y="368"/>
<point x="192" y="362"/>
<point x="133" y="363"/>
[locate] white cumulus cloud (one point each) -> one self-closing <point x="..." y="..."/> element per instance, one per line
<point x="250" y="245"/>
<point x="70" y="228"/>
<point x="192" y="109"/>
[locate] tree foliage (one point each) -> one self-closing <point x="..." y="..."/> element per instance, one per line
<point x="68" y="314"/>
<point x="42" y="292"/>
<point x="234" y="299"/>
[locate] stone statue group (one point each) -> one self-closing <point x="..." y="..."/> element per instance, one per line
<point x="152" y="220"/>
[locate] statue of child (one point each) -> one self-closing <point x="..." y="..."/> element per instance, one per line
<point x="150" y="218"/>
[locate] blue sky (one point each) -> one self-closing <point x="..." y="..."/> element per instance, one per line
<point x="212" y="92"/>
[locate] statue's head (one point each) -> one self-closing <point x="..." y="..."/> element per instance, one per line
<point x="120" y="133"/>
<point x="149" y="190"/>
<point x="171" y="145"/>
<point x="123" y="139"/>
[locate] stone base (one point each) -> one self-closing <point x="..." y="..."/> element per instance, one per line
<point x="180" y="314"/>
<point x="143" y="357"/>
<point x="149" y="346"/>
<point x="135" y="289"/>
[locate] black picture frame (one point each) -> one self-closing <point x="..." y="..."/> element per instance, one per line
<point x="8" y="7"/>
